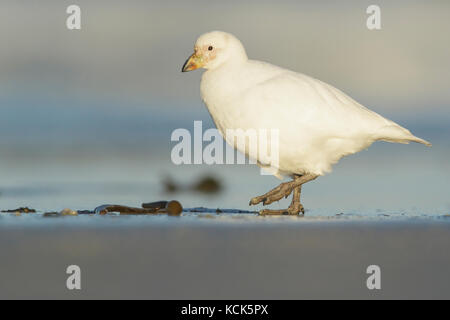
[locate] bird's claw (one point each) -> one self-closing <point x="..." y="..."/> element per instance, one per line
<point x="255" y="201"/>
<point x="268" y="212"/>
<point x="296" y="209"/>
<point x="283" y="190"/>
<point x="286" y="212"/>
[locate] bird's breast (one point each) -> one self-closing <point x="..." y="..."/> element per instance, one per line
<point x="219" y="93"/>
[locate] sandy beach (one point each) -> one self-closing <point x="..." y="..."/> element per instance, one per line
<point x="225" y="256"/>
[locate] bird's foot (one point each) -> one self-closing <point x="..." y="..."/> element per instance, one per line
<point x="296" y="208"/>
<point x="283" y="190"/>
<point x="268" y="212"/>
<point x="293" y="210"/>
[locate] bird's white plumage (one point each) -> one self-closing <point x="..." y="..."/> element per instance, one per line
<point x="318" y="124"/>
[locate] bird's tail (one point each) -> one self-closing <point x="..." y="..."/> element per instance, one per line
<point x="398" y="134"/>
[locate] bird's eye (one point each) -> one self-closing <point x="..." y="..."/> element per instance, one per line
<point x="210" y="48"/>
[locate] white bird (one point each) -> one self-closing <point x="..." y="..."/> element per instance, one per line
<point x="318" y="124"/>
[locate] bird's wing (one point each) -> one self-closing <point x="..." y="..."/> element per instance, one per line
<point x="304" y="101"/>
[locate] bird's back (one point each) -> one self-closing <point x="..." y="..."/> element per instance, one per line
<point x="316" y="121"/>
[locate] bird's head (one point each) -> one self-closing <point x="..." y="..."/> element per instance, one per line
<point x="213" y="49"/>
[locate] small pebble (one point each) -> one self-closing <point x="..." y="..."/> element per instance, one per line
<point x="68" y="212"/>
<point x="172" y="208"/>
<point x="51" y="214"/>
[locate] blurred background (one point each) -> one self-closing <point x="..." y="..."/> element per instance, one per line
<point x="86" y="115"/>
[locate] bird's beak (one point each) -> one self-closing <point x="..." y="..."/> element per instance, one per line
<point x="194" y="62"/>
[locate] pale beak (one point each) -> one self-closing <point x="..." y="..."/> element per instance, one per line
<point x="194" y="62"/>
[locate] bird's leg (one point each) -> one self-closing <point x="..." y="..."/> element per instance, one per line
<point x="296" y="207"/>
<point x="284" y="190"/>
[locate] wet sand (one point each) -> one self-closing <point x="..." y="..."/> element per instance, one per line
<point x="225" y="256"/>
